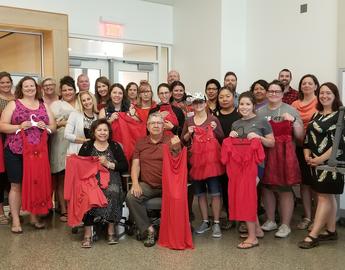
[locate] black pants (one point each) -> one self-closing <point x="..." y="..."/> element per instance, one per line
<point x="4" y="185"/>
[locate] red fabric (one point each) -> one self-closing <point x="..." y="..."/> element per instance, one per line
<point x="82" y="190"/>
<point x="175" y="232"/>
<point x="2" y="162"/>
<point x="281" y="166"/>
<point x="143" y="114"/>
<point x="241" y="157"/>
<point x="205" y="155"/>
<point x="127" y="131"/>
<point x="171" y="117"/>
<point x="37" y="182"/>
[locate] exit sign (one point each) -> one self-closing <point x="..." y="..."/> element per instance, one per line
<point x="111" y="30"/>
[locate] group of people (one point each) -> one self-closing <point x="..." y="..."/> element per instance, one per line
<point x="244" y="150"/>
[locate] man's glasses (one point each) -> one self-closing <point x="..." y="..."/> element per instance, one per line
<point x="274" y="92"/>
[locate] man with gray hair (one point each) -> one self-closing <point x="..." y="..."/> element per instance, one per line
<point x="173" y="75"/>
<point x="147" y="163"/>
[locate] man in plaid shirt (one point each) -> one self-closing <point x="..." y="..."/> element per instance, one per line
<point x="290" y="94"/>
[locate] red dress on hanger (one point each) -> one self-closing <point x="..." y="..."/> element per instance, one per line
<point x="205" y="155"/>
<point x="241" y="157"/>
<point x="37" y="182"/>
<point x="281" y="165"/>
<point x="175" y="232"/>
<point x="171" y="117"/>
<point x="127" y="131"/>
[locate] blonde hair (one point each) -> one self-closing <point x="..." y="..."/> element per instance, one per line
<point x="80" y="105"/>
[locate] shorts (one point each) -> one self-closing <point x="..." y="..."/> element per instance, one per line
<point x="14" y="166"/>
<point x="211" y="185"/>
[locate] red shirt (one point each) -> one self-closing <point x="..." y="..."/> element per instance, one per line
<point x="290" y="96"/>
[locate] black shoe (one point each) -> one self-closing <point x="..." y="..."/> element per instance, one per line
<point x="150" y="239"/>
<point x="329" y="236"/>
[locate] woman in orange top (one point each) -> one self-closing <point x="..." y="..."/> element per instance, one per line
<point x="306" y="106"/>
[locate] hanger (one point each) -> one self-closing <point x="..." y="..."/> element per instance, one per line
<point x="33" y="124"/>
<point x="240" y="140"/>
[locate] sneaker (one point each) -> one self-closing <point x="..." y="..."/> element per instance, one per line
<point x="204" y="227"/>
<point x="216" y="232"/>
<point x="283" y="231"/>
<point x="150" y="239"/>
<point x="304" y="224"/>
<point x="269" y="225"/>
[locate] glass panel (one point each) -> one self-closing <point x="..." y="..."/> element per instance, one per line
<point x="83" y="47"/>
<point x="21" y="53"/>
<point x="132" y="76"/>
<point x="164" y="64"/>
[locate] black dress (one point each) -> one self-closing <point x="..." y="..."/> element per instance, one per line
<point x="114" y="193"/>
<point x="319" y="138"/>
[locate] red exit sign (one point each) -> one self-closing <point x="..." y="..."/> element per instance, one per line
<point x="112" y="30"/>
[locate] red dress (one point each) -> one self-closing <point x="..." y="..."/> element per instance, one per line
<point x="127" y="131"/>
<point x="241" y="157"/>
<point x="175" y="232"/>
<point x="281" y="165"/>
<point x="205" y="155"/>
<point x="82" y="189"/>
<point x="171" y="117"/>
<point x="37" y="182"/>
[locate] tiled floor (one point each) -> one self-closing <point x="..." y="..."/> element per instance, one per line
<point x="57" y="248"/>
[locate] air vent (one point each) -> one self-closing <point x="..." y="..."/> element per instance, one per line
<point x="304" y="8"/>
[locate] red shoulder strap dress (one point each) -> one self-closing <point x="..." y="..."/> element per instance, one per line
<point x="175" y="232"/>
<point x="205" y="155"/>
<point x="281" y="166"/>
<point x="37" y="182"/>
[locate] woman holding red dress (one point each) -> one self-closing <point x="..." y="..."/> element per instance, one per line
<point x="205" y="133"/>
<point x="282" y="170"/>
<point x="179" y="98"/>
<point x="16" y="116"/>
<point x="145" y="102"/>
<point x="250" y="127"/>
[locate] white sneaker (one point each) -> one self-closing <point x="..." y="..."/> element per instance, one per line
<point x="283" y="231"/>
<point x="269" y="225"/>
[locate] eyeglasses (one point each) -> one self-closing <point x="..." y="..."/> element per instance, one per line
<point x="274" y="92"/>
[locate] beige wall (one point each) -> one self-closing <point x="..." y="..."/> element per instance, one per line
<point x="55" y="35"/>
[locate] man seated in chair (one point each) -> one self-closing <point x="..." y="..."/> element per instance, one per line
<point x="146" y="173"/>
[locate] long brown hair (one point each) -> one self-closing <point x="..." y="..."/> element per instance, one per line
<point x="18" y="94"/>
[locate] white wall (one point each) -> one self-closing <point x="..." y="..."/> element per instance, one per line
<point x="143" y="21"/>
<point x="197" y="42"/>
<point x="279" y="37"/>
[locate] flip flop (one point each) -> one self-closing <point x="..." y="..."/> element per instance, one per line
<point x="245" y="235"/>
<point x="248" y="245"/>
<point x="16" y="230"/>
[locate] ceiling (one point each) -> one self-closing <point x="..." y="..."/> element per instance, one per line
<point x="163" y="2"/>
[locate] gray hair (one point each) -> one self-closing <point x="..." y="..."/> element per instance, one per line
<point x="155" y="114"/>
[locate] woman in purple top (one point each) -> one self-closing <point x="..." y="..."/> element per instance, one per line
<point x="16" y="115"/>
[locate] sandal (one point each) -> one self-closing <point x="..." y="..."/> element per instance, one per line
<point x="245" y="235"/>
<point x="309" y="244"/>
<point x="113" y="239"/>
<point x="16" y="229"/>
<point x="328" y="236"/>
<point x="63" y="217"/>
<point x="87" y="242"/>
<point x="38" y="225"/>
<point x="304" y="224"/>
<point x="247" y="245"/>
<point x="4" y="220"/>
